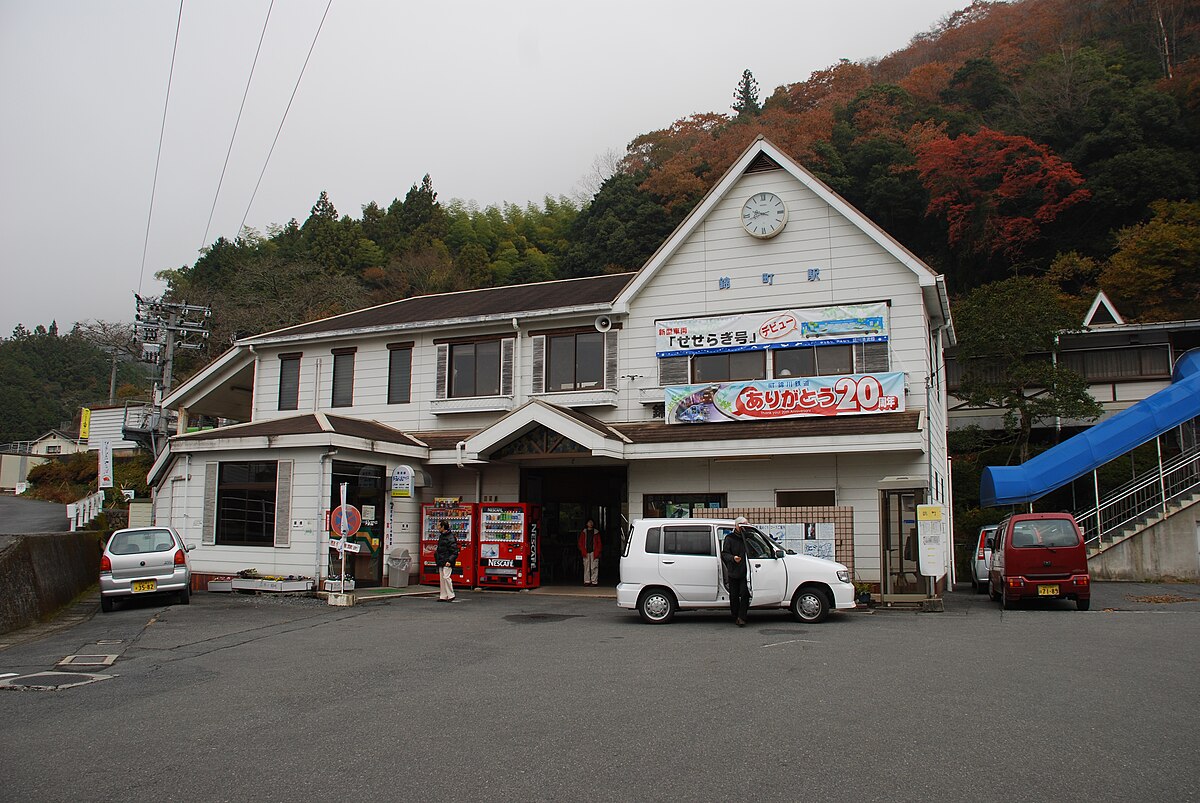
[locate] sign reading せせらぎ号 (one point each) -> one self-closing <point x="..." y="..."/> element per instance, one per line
<point x="772" y="329"/>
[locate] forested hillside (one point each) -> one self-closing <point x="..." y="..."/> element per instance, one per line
<point x="1053" y="139"/>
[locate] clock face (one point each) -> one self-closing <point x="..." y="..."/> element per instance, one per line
<point x="764" y="215"/>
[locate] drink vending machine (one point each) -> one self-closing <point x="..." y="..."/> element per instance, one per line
<point x="461" y="517"/>
<point x="510" y="545"/>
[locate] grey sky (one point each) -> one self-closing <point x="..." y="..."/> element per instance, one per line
<point x="496" y="101"/>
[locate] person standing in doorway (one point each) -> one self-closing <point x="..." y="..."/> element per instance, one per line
<point x="734" y="556"/>
<point x="446" y="554"/>
<point x="589" y="548"/>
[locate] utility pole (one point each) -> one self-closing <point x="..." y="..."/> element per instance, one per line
<point x="161" y="327"/>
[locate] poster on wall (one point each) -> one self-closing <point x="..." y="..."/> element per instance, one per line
<point x="810" y="538"/>
<point x="749" y="331"/>
<point x="764" y="400"/>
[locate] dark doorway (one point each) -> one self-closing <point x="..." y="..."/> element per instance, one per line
<point x="365" y="491"/>
<point x="569" y="497"/>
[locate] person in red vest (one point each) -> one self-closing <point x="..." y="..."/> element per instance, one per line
<point x="589" y="548"/>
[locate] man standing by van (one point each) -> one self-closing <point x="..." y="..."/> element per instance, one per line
<point x="589" y="550"/>
<point x="734" y="556"/>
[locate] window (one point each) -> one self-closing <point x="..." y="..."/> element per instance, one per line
<point x="399" y="373"/>
<point x="289" y="381"/>
<point x="575" y="361"/>
<point x="343" y="378"/>
<point x="653" y="540"/>
<point x="815" y="361"/>
<point x="805" y="499"/>
<point x="680" y="506"/>
<point x="246" y="504"/>
<point x="53" y="450"/>
<point x="729" y="367"/>
<point x="688" y="541"/>
<point x="475" y="369"/>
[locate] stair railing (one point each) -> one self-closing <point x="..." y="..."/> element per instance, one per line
<point x="1143" y="496"/>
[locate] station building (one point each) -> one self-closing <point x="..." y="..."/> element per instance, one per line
<point x="779" y="356"/>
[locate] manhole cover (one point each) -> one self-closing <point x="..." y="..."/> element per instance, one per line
<point x="537" y="618"/>
<point x="86" y="661"/>
<point x="51" y="681"/>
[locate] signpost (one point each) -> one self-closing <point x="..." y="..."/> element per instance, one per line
<point x="931" y="534"/>
<point x="344" y="521"/>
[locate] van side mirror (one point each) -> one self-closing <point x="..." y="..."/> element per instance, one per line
<point x="779" y="553"/>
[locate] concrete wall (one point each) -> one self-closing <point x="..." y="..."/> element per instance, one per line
<point x="41" y="573"/>
<point x="1168" y="550"/>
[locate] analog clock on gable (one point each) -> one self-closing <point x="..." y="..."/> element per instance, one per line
<point x="764" y="215"/>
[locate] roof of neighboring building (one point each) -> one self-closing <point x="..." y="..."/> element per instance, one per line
<point x="468" y="304"/>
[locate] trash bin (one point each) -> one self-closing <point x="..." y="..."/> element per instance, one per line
<point x="399" y="564"/>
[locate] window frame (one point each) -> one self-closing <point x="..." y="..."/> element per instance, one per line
<point x="451" y="379"/>
<point x="341" y="392"/>
<point x="253" y="491"/>
<point x="395" y="393"/>
<point x="598" y="383"/>
<point x="289" y="381"/>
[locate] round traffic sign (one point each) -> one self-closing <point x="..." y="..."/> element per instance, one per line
<point x="346" y="516"/>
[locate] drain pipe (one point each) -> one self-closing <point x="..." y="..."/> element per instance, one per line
<point x="458" y="458"/>
<point x="326" y="459"/>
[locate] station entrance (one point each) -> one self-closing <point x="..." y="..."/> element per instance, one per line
<point x="569" y="497"/>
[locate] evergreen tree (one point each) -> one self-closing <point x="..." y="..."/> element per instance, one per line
<point x="745" y="97"/>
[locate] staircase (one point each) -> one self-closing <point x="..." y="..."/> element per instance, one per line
<point x="1142" y="503"/>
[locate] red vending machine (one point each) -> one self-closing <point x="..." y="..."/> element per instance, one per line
<point x="461" y="517"/>
<point x="509" y="545"/>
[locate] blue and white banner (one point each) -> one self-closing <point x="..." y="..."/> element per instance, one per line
<point x="773" y="329"/>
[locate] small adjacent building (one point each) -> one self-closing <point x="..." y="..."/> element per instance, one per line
<point x="779" y="356"/>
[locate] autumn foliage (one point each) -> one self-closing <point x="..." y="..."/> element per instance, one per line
<point x="995" y="190"/>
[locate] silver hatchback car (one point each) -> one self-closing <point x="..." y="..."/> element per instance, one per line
<point x="144" y="560"/>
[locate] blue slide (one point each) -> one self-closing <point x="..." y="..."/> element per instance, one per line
<point x="1092" y="448"/>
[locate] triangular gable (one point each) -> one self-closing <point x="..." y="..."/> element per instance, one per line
<point x="1102" y="312"/>
<point x="752" y="160"/>
<point x="210" y="379"/>
<point x="598" y="438"/>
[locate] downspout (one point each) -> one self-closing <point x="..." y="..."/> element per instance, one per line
<point x="322" y="494"/>
<point x="458" y="458"/>
<point x="254" y="389"/>
<point x="516" y="361"/>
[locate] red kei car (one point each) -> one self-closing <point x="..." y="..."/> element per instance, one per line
<point x="1039" y="556"/>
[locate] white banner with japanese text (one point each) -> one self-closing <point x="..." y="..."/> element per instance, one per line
<point x="768" y="399"/>
<point x="750" y="331"/>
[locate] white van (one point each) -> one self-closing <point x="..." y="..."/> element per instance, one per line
<point x="673" y="564"/>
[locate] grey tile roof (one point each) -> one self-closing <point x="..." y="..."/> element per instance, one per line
<point x="492" y="301"/>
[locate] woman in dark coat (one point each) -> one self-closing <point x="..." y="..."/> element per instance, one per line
<point x="446" y="554"/>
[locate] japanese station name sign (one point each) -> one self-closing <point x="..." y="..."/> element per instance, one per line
<point x="772" y="329"/>
<point x="763" y="400"/>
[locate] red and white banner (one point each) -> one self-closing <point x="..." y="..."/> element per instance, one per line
<point x="850" y="394"/>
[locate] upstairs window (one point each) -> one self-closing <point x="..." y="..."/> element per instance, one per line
<point x="575" y="361"/>
<point x="343" y="378"/>
<point x="399" y="373"/>
<point x="475" y="369"/>
<point x="737" y="366"/>
<point x="289" y="381"/>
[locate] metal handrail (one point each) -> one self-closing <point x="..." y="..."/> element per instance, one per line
<point x="1146" y="494"/>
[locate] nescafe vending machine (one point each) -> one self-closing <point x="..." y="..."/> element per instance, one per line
<point x="461" y="517"/>
<point x="510" y="545"/>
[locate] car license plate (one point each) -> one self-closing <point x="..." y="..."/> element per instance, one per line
<point x="1047" y="591"/>
<point x="150" y="585"/>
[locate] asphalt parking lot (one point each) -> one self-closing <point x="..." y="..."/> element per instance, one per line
<point x="542" y="697"/>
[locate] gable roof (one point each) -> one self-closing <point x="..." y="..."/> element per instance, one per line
<point x="1102" y="312"/>
<point x="757" y="157"/>
<point x="466" y="306"/>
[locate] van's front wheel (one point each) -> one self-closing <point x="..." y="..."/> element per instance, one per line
<point x="656" y="606"/>
<point x="810" y="606"/>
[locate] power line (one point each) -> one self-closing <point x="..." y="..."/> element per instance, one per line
<point x="236" y="123"/>
<point x="285" y="114"/>
<point x="158" y="158"/>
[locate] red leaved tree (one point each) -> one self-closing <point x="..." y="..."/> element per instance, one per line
<point x="995" y="191"/>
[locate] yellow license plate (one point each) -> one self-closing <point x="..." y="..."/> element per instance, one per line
<point x="1047" y="591"/>
<point x="147" y="585"/>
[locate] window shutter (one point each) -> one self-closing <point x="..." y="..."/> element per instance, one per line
<point x="443" y="363"/>
<point x="506" y="366"/>
<point x="539" y="364"/>
<point x="610" y="359"/>
<point x="672" y="371"/>
<point x="208" y="517"/>
<point x="870" y="358"/>
<point x="283" y="504"/>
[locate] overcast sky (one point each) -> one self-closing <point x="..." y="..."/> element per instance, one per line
<point x="498" y="102"/>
